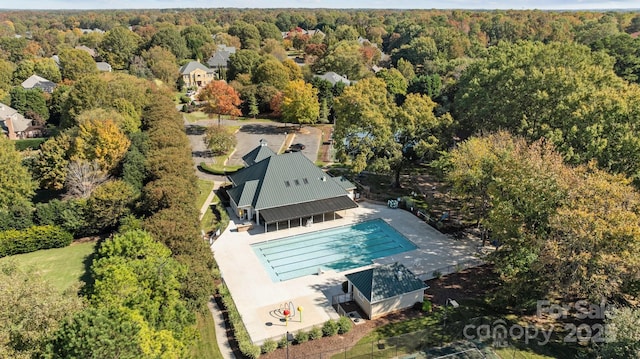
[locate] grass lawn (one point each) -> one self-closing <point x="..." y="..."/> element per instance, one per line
<point x="204" y="188"/>
<point x="519" y="354"/>
<point x="206" y="346"/>
<point x="196" y="116"/>
<point x="62" y="267"/>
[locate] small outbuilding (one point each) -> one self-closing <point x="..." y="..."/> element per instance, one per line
<point x="385" y="288"/>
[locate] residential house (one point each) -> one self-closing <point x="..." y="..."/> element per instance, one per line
<point x="385" y="288"/>
<point x="286" y="190"/>
<point x="334" y="78"/>
<point x="15" y="126"/>
<point x="300" y="31"/>
<point x="195" y="74"/>
<point x="103" y="66"/>
<point x="220" y="59"/>
<point x="36" y="81"/>
<point x="87" y="49"/>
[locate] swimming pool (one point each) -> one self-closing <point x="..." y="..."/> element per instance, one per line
<point x="340" y="249"/>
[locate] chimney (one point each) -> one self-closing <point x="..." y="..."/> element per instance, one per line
<point x="10" y="132"/>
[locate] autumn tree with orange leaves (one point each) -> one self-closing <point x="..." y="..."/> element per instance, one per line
<point x="221" y="99"/>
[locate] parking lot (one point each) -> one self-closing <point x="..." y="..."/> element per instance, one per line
<point x="275" y="134"/>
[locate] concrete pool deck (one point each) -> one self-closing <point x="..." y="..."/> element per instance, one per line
<point x="259" y="299"/>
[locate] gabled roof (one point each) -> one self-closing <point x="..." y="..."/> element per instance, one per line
<point x="258" y="154"/>
<point x="36" y="81"/>
<point x="19" y="122"/>
<point x="385" y="281"/>
<point x="334" y="78"/>
<point x="87" y="49"/>
<point x="219" y="58"/>
<point x="192" y="66"/>
<point x="282" y="180"/>
<point x="103" y="66"/>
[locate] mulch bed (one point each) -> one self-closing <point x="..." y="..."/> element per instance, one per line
<point x="467" y="284"/>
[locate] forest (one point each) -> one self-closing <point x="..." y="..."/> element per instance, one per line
<point x="531" y="117"/>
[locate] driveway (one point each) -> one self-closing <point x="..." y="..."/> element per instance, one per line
<point x="249" y="137"/>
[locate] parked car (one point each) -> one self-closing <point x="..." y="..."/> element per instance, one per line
<point x="296" y="147"/>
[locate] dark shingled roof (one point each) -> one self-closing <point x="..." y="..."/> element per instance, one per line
<point x="385" y="281"/>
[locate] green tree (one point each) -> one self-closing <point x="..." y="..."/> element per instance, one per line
<point x="169" y="38"/>
<point x="110" y="202"/>
<point x="626" y="51"/>
<point x="252" y="104"/>
<point x="30" y="103"/>
<point x="48" y="69"/>
<point x="16" y="185"/>
<point x="396" y="83"/>
<point x="6" y="74"/>
<point x="429" y="85"/>
<point x="268" y="30"/>
<point x="243" y="62"/>
<point x="248" y="34"/>
<point x="196" y="36"/>
<point x="343" y="58"/>
<point x="271" y="73"/>
<point x="52" y="162"/>
<point x="220" y="140"/>
<point x="23" y="71"/>
<point x="418" y="131"/>
<point x="118" y="47"/>
<point x="300" y="103"/>
<point x="76" y="64"/>
<point x="363" y="133"/>
<point x="406" y="69"/>
<point x="622" y="334"/>
<point x="33" y="310"/>
<point x="105" y="332"/>
<point x="162" y="63"/>
<point x="561" y="92"/>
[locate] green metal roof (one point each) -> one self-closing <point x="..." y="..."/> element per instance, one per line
<point x="258" y="154"/>
<point x="385" y="281"/>
<point x="283" y="180"/>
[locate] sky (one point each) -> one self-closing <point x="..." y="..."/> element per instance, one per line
<point x="330" y="4"/>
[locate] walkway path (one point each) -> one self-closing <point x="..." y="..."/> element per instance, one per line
<point x="221" y="330"/>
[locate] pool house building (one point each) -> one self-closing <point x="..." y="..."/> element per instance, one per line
<point x="286" y="190"/>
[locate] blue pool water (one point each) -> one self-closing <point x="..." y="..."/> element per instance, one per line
<point x="339" y="248"/>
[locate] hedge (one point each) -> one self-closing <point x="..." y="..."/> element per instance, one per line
<point x="33" y="239"/>
<point x="216" y="171"/>
<point x="32" y="143"/>
<point x="240" y="332"/>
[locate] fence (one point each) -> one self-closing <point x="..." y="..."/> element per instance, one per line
<point x="415" y="345"/>
<point x="341" y="298"/>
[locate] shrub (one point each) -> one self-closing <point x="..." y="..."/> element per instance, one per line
<point x="33" y="239"/>
<point x="426" y="306"/>
<point x="268" y="346"/>
<point x="437" y="274"/>
<point x="315" y="333"/>
<point x="282" y="343"/>
<point x="302" y="337"/>
<point x="329" y="328"/>
<point x="344" y="325"/>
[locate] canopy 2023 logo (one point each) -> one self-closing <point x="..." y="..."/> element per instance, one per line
<point x="565" y="318"/>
